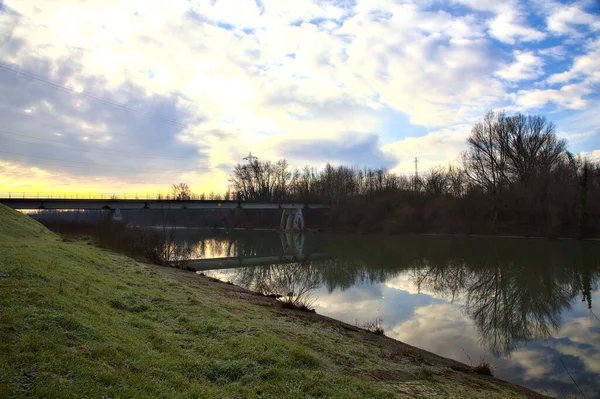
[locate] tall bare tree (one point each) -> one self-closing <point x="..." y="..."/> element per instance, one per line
<point x="181" y="191"/>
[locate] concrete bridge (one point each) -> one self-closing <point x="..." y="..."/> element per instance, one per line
<point x="292" y="251"/>
<point x="234" y="263"/>
<point x="292" y="217"/>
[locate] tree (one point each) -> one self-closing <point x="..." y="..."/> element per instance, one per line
<point x="435" y="181"/>
<point x="519" y="151"/>
<point x="181" y="191"/>
<point x="485" y="160"/>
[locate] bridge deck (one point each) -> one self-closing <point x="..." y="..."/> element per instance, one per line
<point x="234" y="263"/>
<point x="128" y="204"/>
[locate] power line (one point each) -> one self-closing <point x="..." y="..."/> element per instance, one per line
<point x="71" y="146"/>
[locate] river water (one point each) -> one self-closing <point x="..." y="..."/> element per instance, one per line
<point x="527" y="306"/>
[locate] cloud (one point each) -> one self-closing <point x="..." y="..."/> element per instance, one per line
<point x="569" y="96"/>
<point x="272" y="76"/>
<point x="555" y="52"/>
<point x="438" y="147"/>
<point x="526" y="66"/>
<point x="564" y="19"/>
<point x="571" y="137"/>
<point x="594" y="155"/>
<point x="586" y="66"/>
<point x="508" y="28"/>
<point x="349" y="149"/>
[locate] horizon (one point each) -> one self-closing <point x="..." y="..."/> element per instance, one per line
<point x="138" y="96"/>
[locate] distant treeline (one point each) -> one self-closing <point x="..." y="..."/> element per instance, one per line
<point x="515" y="177"/>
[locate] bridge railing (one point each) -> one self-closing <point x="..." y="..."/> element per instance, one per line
<point x="100" y="196"/>
<point x="124" y="196"/>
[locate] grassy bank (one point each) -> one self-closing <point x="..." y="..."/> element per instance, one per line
<point x="79" y="321"/>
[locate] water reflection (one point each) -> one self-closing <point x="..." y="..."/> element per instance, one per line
<point x="293" y="282"/>
<point x="509" y="304"/>
<point x="527" y="302"/>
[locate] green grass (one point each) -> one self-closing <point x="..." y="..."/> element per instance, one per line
<point x="77" y="321"/>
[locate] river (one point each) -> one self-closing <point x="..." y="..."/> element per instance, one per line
<point x="526" y="306"/>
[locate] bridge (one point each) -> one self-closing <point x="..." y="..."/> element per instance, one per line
<point x="234" y="263"/>
<point x="292" y="217"/>
<point x="292" y="251"/>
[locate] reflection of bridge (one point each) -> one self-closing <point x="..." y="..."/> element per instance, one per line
<point x="291" y="216"/>
<point x="292" y="246"/>
<point x="233" y="263"/>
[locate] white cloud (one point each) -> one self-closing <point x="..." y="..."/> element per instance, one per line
<point x="438" y="147"/>
<point x="508" y="27"/>
<point x="568" y="96"/>
<point x="555" y="52"/>
<point x="563" y="18"/>
<point x="586" y="66"/>
<point x="526" y="66"/>
<point x="245" y="76"/>
<point x="497" y="7"/>
<point x="595" y="155"/>
<point x="571" y="136"/>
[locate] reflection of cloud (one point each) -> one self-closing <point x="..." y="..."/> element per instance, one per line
<point x="580" y="339"/>
<point x="366" y="302"/>
<point x="353" y="303"/>
<point x="445" y="330"/>
<point x="442" y="329"/>
<point x="536" y="364"/>
<point x="405" y="282"/>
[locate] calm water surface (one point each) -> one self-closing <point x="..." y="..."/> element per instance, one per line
<point x="527" y="306"/>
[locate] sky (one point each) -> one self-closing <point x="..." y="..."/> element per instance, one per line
<point x="133" y="96"/>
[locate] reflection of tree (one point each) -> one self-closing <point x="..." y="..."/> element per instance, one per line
<point x="448" y="280"/>
<point x="293" y="281"/>
<point x="509" y="304"/>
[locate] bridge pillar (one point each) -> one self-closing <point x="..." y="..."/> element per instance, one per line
<point x="115" y="214"/>
<point x="291" y="219"/>
<point x="292" y="243"/>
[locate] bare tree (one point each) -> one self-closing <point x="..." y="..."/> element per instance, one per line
<point x="520" y="151"/>
<point x="456" y="181"/>
<point x="181" y="191"/>
<point x="435" y="181"/>
<point x="485" y="160"/>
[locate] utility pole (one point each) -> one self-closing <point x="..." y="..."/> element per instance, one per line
<point x="416" y="173"/>
<point x="250" y="158"/>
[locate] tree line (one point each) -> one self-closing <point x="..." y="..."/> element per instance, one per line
<point x="515" y="177"/>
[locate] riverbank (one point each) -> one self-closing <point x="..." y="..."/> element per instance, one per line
<point x="79" y="321"/>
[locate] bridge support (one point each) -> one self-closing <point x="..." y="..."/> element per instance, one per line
<point x="291" y="219"/>
<point x="115" y="214"/>
<point x="292" y="243"/>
